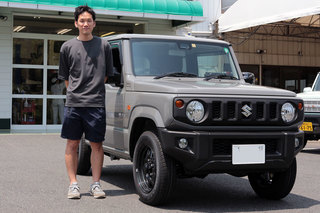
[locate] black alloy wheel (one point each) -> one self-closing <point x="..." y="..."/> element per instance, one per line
<point x="154" y="172"/>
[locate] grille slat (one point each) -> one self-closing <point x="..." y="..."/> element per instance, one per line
<point x="231" y="110"/>
<point x="216" y="110"/>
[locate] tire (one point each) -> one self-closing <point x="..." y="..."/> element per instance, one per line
<point x="84" y="154"/>
<point x="154" y="173"/>
<point x="278" y="186"/>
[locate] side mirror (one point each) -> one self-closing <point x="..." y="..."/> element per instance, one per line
<point x="307" y="89"/>
<point x="116" y="79"/>
<point x="249" y="77"/>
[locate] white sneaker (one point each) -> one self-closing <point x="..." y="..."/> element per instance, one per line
<point x="96" y="191"/>
<point x="74" y="191"/>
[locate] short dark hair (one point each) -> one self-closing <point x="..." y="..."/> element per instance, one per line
<point x="81" y="9"/>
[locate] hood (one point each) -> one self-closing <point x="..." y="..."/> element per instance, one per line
<point x="212" y="87"/>
<point x="309" y="95"/>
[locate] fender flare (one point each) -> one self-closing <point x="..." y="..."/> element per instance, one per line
<point x="146" y="112"/>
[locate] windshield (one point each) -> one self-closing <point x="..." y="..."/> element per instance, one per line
<point x="171" y="58"/>
<point x="316" y="86"/>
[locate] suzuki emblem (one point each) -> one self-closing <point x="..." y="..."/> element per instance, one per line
<point x="246" y="110"/>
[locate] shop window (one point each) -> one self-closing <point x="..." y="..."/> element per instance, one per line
<point x="54" y="52"/>
<point x="55" y="110"/>
<point x="27" y="81"/>
<point x="27" y="51"/>
<point x="26" y="111"/>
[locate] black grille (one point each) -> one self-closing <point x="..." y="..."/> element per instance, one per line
<point x="251" y="112"/>
<point x="224" y="146"/>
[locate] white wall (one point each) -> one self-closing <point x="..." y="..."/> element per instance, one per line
<point x="159" y="26"/>
<point x="5" y="64"/>
<point x="211" y="11"/>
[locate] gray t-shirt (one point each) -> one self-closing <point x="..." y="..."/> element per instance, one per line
<point x="85" y="64"/>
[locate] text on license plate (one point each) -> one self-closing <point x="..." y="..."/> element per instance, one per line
<point x="248" y="154"/>
<point x="307" y="127"/>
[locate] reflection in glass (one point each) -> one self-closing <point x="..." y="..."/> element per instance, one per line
<point x="27" y="51"/>
<point x="26" y="111"/>
<point x="54" y="52"/>
<point x="27" y="81"/>
<point x="55" y="86"/>
<point x="55" y="112"/>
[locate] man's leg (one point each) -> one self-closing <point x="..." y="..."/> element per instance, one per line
<point x="71" y="158"/>
<point x="96" y="166"/>
<point x="96" y="160"/>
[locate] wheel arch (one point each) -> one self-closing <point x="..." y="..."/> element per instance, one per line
<point x="140" y="125"/>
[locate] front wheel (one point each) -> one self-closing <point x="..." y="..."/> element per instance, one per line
<point x="274" y="185"/>
<point x="84" y="153"/>
<point x="153" y="171"/>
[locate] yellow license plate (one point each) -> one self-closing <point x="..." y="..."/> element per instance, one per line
<point x="307" y="127"/>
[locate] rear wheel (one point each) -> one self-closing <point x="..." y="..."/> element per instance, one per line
<point x="274" y="185"/>
<point x="84" y="154"/>
<point x="153" y="171"/>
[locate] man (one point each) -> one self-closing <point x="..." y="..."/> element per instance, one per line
<point x="85" y="64"/>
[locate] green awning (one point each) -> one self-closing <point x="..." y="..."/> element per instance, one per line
<point x="165" y="7"/>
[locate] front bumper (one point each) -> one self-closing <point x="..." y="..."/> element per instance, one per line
<point x="315" y="119"/>
<point x="211" y="152"/>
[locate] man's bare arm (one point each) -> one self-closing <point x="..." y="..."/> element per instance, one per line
<point x="67" y="83"/>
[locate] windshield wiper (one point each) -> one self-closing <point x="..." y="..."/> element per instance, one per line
<point x="176" y="74"/>
<point x="220" y="77"/>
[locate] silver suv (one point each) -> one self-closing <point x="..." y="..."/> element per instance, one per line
<point x="180" y="107"/>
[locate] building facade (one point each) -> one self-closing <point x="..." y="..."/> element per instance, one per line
<point x="284" y="54"/>
<point x="32" y="32"/>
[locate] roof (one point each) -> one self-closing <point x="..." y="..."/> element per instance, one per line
<point x="167" y="37"/>
<point x="249" y="13"/>
<point x="165" y="9"/>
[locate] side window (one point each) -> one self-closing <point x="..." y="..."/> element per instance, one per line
<point x="116" y="80"/>
<point x="116" y="58"/>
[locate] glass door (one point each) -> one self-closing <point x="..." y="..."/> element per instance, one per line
<point x="37" y="94"/>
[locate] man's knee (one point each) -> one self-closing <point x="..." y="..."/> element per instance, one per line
<point x="73" y="145"/>
<point x="96" y="146"/>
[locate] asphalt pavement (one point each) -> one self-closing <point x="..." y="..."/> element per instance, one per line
<point x="33" y="179"/>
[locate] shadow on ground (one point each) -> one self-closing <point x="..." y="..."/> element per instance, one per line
<point x="215" y="193"/>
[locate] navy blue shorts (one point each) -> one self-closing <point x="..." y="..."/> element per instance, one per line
<point x="88" y="120"/>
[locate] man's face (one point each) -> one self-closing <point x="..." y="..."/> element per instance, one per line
<point x="85" y="23"/>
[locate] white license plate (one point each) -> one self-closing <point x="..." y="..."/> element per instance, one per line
<point x="248" y="154"/>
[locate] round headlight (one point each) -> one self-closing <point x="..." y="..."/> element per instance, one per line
<point x="195" y="111"/>
<point x="288" y="112"/>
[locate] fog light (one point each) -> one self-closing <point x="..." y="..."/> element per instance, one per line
<point x="296" y="142"/>
<point x="183" y="143"/>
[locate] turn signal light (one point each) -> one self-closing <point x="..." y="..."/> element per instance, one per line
<point x="300" y="106"/>
<point x="179" y="103"/>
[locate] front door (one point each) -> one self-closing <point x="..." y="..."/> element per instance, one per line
<point x="115" y="105"/>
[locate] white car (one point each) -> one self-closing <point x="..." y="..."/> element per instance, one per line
<point x="311" y="98"/>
